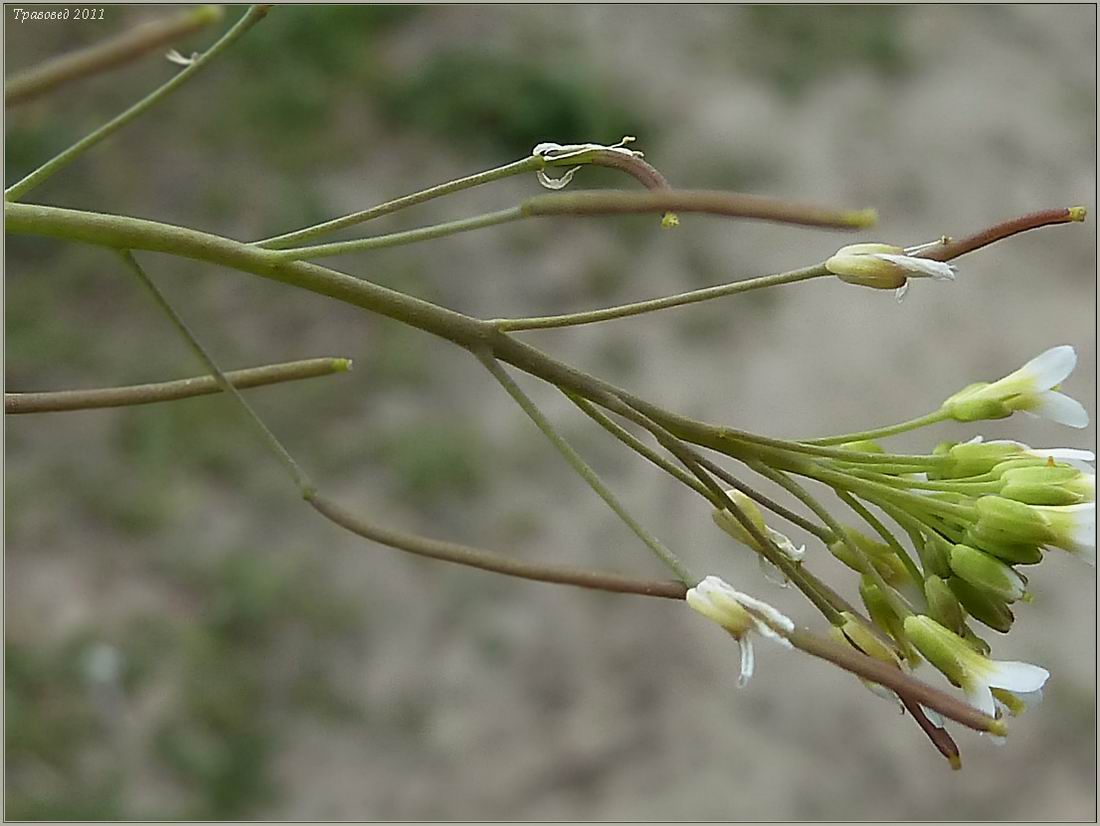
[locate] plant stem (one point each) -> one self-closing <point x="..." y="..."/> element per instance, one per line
<point x="583" y="470"/>
<point x="398" y="239"/>
<point x="495" y="562"/>
<point x="733" y="204"/>
<point x="652" y="305"/>
<point x="887" y="537"/>
<point x="1005" y="229"/>
<point x="48" y="169"/>
<point x="64" y="400"/>
<point x="640" y="447"/>
<point x="529" y="164"/>
<point x="880" y="432"/>
<point x="894" y="678"/>
<point x="297" y="474"/>
<point x="127" y="46"/>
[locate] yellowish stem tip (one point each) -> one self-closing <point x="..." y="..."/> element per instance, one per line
<point x="209" y="14"/>
<point x="998" y="728"/>
<point x="862" y="218"/>
<point x="955" y="761"/>
<point x="341" y="365"/>
<point x="670" y="220"/>
<point x="1077" y="213"/>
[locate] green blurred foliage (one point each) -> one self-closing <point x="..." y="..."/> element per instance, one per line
<point x="507" y="103"/>
<point x="434" y="459"/>
<point x="797" y="46"/>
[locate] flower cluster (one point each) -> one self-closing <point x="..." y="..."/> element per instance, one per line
<point x="974" y="516"/>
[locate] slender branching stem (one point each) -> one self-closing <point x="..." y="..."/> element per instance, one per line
<point x="641" y="448"/>
<point x="584" y="470"/>
<point x="884" y="533"/>
<point x="1006" y="229"/>
<point x="56" y="164"/>
<point x="399" y="239"/>
<point x="495" y="562"/>
<point x="65" y="400"/>
<point x="289" y="239"/>
<point x="116" y="51"/>
<point x="652" y="305"/>
<point x="881" y="432"/>
<point x="300" y="478"/>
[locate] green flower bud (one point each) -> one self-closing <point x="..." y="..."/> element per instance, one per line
<point x="978" y="410"/>
<point x="881" y="555"/>
<point x="1016" y="521"/>
<point x="937" y="556"/>
<point x="1002" y="546"/>
<point x="987" y="573"/>
<point x="978" y="458"/>
<point x="856" y="632"/>
<point x="943" y="605"/>
<point x="981" y="605"/>
<point x="975" y="642"/>
<point x="1048" y="484"/>
<point x="883" y="616"/>
<point x="963" y="666"/>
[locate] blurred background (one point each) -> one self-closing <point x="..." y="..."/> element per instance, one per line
<point x="185" y="639"/>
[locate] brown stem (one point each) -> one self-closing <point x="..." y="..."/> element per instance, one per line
<point x="497" y="563"/>
<point x="66" y="400"/>
<point x="895" y="679"/>
<point x="998" y="232"/>
<point x="685" y="200"/>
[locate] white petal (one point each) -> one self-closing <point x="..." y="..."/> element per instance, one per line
<point x="1059" y="408"/>
<point x="748" y="662"/>
<point x="776" y="617"/>
<point x="921" y="267"/>
<point x="900" y="292"/>
<point x="785" y="545"/>
<point x="1052" y="367"/>
<point x="933" y="716"/>
<point x="1015" y="676"/>
<point x="981" y="698"/>
<point x="556" y="183"/>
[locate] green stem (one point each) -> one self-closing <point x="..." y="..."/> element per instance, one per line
<point x="303" y="482"/>
<point x="13" y="193"/>
<point x="519" y="167"/>
<point x="129" y="45"/>
<point x="583" y="470"/>
<point x="640" y="447"/>
<point x="896" y="602"/>
<point x="887" y="537"/>
<point x="881" y="432"/>
<point x="652" y="305"/>
<point x="398" y="239"/>
<point x="63" y="400"/>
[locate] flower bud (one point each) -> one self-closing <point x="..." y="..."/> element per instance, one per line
<point x="884" y="266"/>
<point x="978" y="458"/>
<point x="883" y="616"/>
<point x="975" y="642"/>
<point x="937" y="556"/>
<point x="964" y="667"/>
<point x="993" y="542"/>
<point x="732" y="525"/>
<point x="943" y="605"/>
<point x="982" y="605"/>
<point x="1012" y="521"/>
<point x="987" y="573"/>
<point x="1048" y="484"/>
<point x="881" y="555"/>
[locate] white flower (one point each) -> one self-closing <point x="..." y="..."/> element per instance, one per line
<point x="1075" y="528"/>
<point x="1032" y="389"/>
<point x="885" y="267"/>
<point x="975" y="674"/>
<point x="740" y="615"/>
